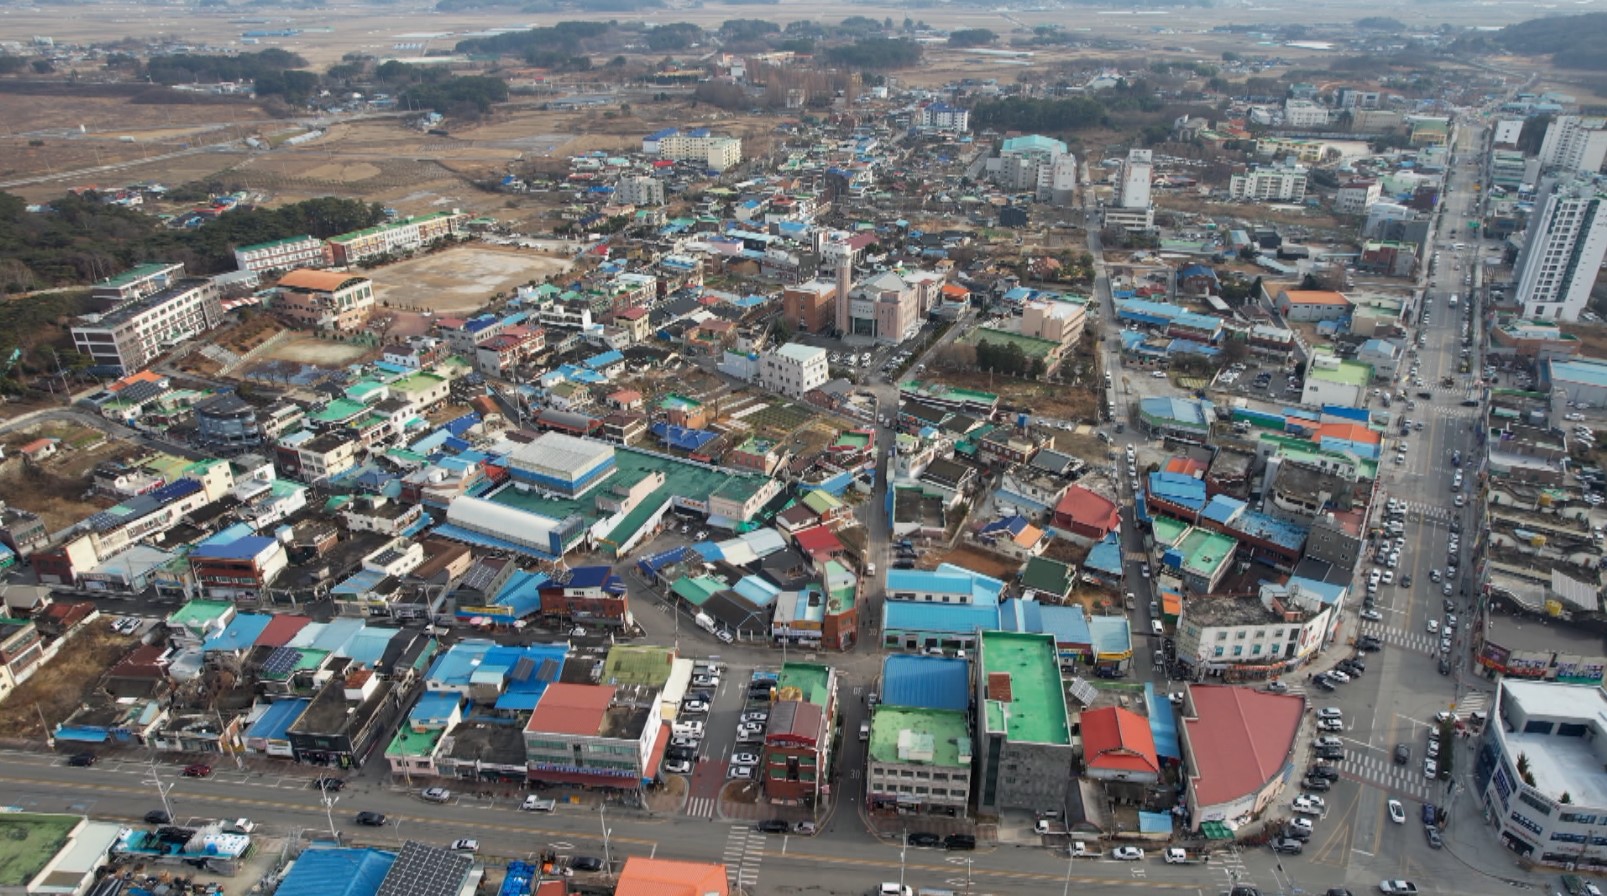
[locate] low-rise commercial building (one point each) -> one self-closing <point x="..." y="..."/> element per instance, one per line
<point x="1024" y="747"/>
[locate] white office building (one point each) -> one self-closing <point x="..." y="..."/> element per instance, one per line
<point x="1575" y="144"/>
<point x="639" y="190"/>
<point x="794" y="369"/>
<point x="1304" y="114"/>
<point x="1038" y="164"/>
<point x="943" y="117"/>
<point x="1133" y="190"/>
<point x="1563" y="249"/>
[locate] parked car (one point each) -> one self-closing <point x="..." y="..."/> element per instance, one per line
<point x="465" y="844"/>
<point x="678" y="766"/>
<point x="82" y="760"/>
<point x="330" y="785"/>
<point x="198" y="770"/>
<point x="959" y="841"/>
<point x="694" y="706"/>
<point x="436" y="795"/>
<point x="1322" y="784"/>
<point x="586" y="863"/>
<point x="1127" y="854"/>
<point x="925" y="839"/>
<point x="1435" y="841"/>
<point x="772" y="826"/>
<point x="158" y="816"/>
<point x="1398" y="887"/>
<point x="1288" y="846"/>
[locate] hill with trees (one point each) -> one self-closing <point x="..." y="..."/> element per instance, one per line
<point x="1572" y="41"/>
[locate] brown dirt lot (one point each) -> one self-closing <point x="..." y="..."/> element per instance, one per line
<point x="321" y="352"/>
<point x="461" y="278"/>
<point x="62" y="684"/>
<point x="1049" y="399"/>
<point x="976" y="560"/>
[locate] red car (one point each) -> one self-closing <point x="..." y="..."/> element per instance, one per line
<point x="197" y="771"/>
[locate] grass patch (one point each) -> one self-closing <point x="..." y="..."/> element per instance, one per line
<point x="28" y="842"/>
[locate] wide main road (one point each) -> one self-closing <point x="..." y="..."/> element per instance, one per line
<point x="843" y="861"/>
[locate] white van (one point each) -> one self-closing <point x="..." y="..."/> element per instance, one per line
<point x="1155" y="628"/>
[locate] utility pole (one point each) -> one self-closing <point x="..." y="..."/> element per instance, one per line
<point x="602" y="817"/>
<point x="329" y="807"/>
<point x="903" y="850"/>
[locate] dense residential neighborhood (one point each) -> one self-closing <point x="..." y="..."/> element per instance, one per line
<point x="858" y="485"/>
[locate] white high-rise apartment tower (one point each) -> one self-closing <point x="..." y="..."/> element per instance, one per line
<point x="1563" y="249"/>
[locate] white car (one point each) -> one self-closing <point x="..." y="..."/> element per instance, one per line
<point x="1396" y="813"/>
<point x="1339" y="676"/>
<point x="1389" y="575"/>
<point x="687" y="729"/>
<point x="1431" y="769"/>
<point x="1304" y="824"/>
<point x="745" y="759"/>
<point x="695" y="706"/>
<point x="1373" y="615"/>
<point x="465" y="845"/>
<point x="1305" y="806"/>
<point x="1321" y="742"/>
<point x="1433" y="626"/>
<point x="1330" y="712"/>
<point x="743" y="772"/>
<point x="1397" y="887"/>
<point x="1127" y="854"/>
<point x="1330" y="725"/>
<point x="678" y="766"/>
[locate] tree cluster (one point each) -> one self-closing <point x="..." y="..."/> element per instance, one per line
<point x="972" y="37"/>
<point x="82" y="239"/>
<point x="566" y="37"/>
<point x="468" y="96"/>
<point x="674" y="36"/>
<point x="194" y="68"/>
<point x="1572" y="41"/>
<point x="1039" y="116"/>
<point x="876" y="53"/>
<point x="1009" y="359"/>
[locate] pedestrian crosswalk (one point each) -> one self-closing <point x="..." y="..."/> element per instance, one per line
<point x="1456" y="412"/>
<point x="700" y="807"/>
<point x="1420" y="641"/>
<point x="1370" y="768"/>
<point x="744" y="850"/>
<point x="1472" y="701"/>
<point x="1420" y="510"/>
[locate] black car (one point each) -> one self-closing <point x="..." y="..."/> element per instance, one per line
<point x="1243" y="890"/>
<point x="370" y="819"/>
<point x="82" y="760"/>
<point x="925" y="839"/>
<point x="158" y="816"/>
<point x="1357" y="662"/>
<point x="1331" y="753"/>
<point x="1445" y="666"/>
<point x="1406" y="581"/>
<point x="1448" y="605"/>
<point x="959" y="841"/>
<point x="1325" y="772"/>
<point x="1291" y="832"/>
<point x="1317" y="784"/>
<point x="331" y="785"/>
<point x="1369" y="643"/>
<point x="772" y="826"/>
<point x="1337" y="891"/>
<point x="1323" y="684"/>
<point x="1403" y="754"/>
<point x="1288" y="846"/>
<point x="586" y="863"/>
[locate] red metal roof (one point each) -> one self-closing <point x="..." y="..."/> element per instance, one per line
<point x="1116" y="739"/>
<point x="571" y="709"/>
<point x="818" y="540"/>
<point x="1087" y="508"/>
<point x="1239" y="740"/>
<point x="281" y="628"/>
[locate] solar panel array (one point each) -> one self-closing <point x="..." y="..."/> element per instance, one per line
<point x="281" y="661"/>
<point x="1082" y="691"/>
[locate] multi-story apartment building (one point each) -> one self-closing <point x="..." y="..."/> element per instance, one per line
<point x="919" y="760"/>
<point x="1562" y="250"/>
<point x="1247" y="638"/>
<point x="1575" y="144"/>
<point x="1304" y="114"/>
<point x="1275" y="183"/>
<point x="1132" y="207"/>
<point x="696" y="145"/>
<point x="315" y="457"/>
<point x="1039" y="164"/>
<point x="239" y="569"/>
<point x="798" y="738"/>
<point x="130" y="335"/>
<point x="639" y="189"/>
<point x="943" y="117"/>
<point x="1354" y="197"/>
<point x="793" y="369"/>
<point x="287" y="254"/>
<point x="405" y="235"/>
<point x="324" y="300"/>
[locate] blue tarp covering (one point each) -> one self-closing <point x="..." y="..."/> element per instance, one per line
<point x="683" y="438"/>
<point x="1162" y="724"/>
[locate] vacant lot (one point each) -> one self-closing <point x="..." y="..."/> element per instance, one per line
<point x="1049" y="399"/>
<point x="975" y="560"/>
<point x="318" y="352"/>
<point x="460" y="279"/>
<point x="64" y="682"/>
<point x="27" y="846"/>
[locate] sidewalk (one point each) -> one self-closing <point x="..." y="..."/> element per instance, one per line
<point x="1473" y="842"/>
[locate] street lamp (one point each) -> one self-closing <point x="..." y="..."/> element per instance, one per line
<point x="903" y="850"/>
<point x="329" y="807"/>
<point x="602" y="817"/>
<point x="161" y="789"/>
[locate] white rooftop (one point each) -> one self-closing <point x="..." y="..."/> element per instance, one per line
<point x="561" y="454"/>
<point x="1560" y="764"/>
<point x="800" y="353"/>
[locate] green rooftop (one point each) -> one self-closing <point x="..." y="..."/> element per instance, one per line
<point x="418" y="382"/>
<point x="28" y="842"/>
<point x="1167" y="530"/>
<point x="410" y="744"/>
<point x="1024" y="700"/>
<point x="1205" y="551"/>
<point x="1050" y="576"/>
<point x="1350" y="373"/>
<point x="138" y="272"/>
<point x="813" y="681"/>
<point x="674" y="402"/>
<point x="696" y="591"/>
<point x="339" y="411"/>
<point x="392" y="225"/>
<point x="199" y="613"/>
<point x="915" y="736"/>
<point x="272" y="243"/>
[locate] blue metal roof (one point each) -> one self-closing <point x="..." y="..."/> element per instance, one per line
<point x="435" y="708"/>
<point x="1270" y="528"/>
<point x="453" y="668"/>
<point x="947" y="579"/>
<point x="239" y="549"/>
<point x="1110" y="634"/>
<point x="918" y="616"/>
<point x="276" y="720"/>
<point x="1162" y="723"/>
<point x="337" y="872"/>
<point x="1106" y="557"/>
<point x="927" y="682"/>
<point x="242" y="633"/>
<point x="1175" y="488"/>
<point x="1068" y="623"/>
<point x="1222" y="509"/>
<point x="1325" y="592"/>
